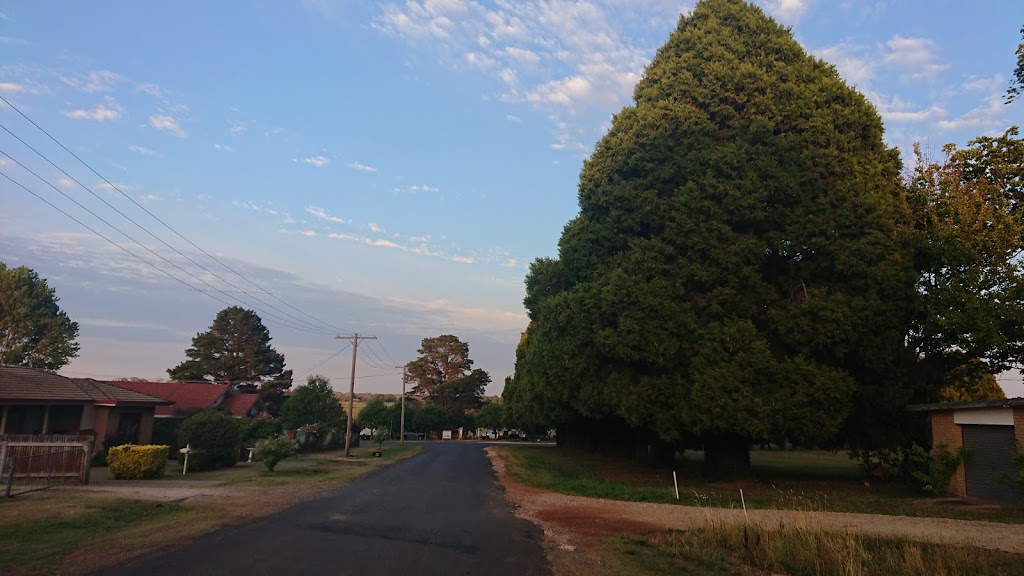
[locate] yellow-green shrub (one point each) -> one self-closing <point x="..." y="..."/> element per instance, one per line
<point x="131" y="462"/>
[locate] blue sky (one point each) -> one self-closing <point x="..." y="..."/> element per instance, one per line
<point x="387" y="168"/>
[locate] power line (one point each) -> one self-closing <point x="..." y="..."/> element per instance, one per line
<point x="87" y="227"/>
<point x="148" y="249"/>
<point x="147" y="231"/>
<point x="154" y="216"/>
<point x="377" y="342"/>
<point x="332" y="357"/>
<point x="372" y="363"/>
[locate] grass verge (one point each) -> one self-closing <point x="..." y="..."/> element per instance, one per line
<point x="808" y="481"/>
<point x="38" y="545"/>
<point x="801" y="550"/>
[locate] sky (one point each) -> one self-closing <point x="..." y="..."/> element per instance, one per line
<point x="380" y="168"/>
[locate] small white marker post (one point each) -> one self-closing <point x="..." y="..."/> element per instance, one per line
<point x="185" y="451"/>
<point x="675" y="481"/>
<point x="745" y="517"/>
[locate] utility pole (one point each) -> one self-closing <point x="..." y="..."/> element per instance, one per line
<point x="402" y="436"/>
<point x="352" y="388"/>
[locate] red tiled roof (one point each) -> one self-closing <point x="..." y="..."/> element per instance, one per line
<point x="29" y="384"/>
<point x="239" y="404"/>
<point x="186" y="396"/>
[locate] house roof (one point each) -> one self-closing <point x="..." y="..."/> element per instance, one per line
<point x="18" y="383"/>
<point x="185" y="396"/>
<point x="941" y="406"/>
<point x="240" y="404"/>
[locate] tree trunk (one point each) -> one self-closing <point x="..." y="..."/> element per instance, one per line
<point x="726" y="457"/>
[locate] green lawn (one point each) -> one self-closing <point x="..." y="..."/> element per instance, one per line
<point x="810" y="480"/>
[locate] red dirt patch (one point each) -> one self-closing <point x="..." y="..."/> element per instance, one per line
<point x="593" y="521"/>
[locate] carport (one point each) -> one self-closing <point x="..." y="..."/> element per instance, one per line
<point x="991" y="430"/>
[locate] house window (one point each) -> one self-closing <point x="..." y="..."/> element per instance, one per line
<point x="25" y="419"/>
<point x="128" y="427"/>
<point x="64" y="420"/>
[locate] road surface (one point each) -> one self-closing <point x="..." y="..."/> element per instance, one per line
<point x="441" y="512"/>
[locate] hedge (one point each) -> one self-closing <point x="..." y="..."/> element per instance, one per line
<point x="131" y="462"/>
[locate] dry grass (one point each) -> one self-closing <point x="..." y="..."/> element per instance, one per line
<point x="800" y="548"/>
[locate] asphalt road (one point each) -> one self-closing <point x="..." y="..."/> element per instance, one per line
<point x="441" y="512"/>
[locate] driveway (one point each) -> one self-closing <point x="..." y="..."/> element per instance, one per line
<point x="441" y="512"/>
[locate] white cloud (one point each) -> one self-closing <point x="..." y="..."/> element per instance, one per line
<point x="143" y="150"/>
<point x="522" y="55"/>
<point x="378" y="229"/>
<point x="166" y="123"/>
<point x="151" y="89"/>
<point x="64" y="182"/>
<point x="987" y="116"/>
<point x="463" y="259"/>
<point x="223" y="148"/>
<point x="566" y="57"/>
<point x="513" y="118"/>
<point x="853" y="64"/>
<point x="897" y="109"/>
<point x="238" y="128"/>
<point x="309" y="233"/>
<point x="288" y="219"/>
<point x="101" y="113"/>
<point x="361" y="167"/>
<point x="147" y="198"/>
<point x="322" y="214"/>
<point x="94" y="81"/>
<point x="787" y="10"/>
<point x="318" y="161"/>
<point x="11" y="88"/>
<point x="915" y="55"/>
<point x="510" y="263"/>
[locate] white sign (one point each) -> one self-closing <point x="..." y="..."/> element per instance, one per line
<point x="446" y="434"/>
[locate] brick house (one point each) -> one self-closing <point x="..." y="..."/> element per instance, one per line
<point x="991" y="430"/>
<point x="36" y="402"/>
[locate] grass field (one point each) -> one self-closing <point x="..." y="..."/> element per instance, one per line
<point x="811" y="480"/>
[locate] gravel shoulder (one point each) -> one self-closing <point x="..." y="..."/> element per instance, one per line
<point x="568" y="520"/>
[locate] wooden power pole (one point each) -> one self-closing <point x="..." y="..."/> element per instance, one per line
<point x="352" y="388"/>
<point x="402" y="436"/>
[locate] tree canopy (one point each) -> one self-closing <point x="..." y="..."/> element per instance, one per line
<point x="444" y="376"/>
<point x="236" y="350"/>
<point x="375" y="415"/>
<point x="314" y="403"/>
<point x="34" y="331"/>
<point x="1017" y="78"/>
<point x="738" y="269"/>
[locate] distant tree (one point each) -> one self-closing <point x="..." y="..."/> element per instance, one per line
<point x="1017" y="79"/>
<point x="491" y="416"/>
<point x="34" y="331"/>
<point x="738" y="270"/>
<point x="236" y="350"/>
<point x="967" y="210"/>
<point x="971" y="382"/>
<point x="444" y="376"/>
<point x="374" y="415"/>
<point x="314" y="403"/>
<point x="430" y="419"/>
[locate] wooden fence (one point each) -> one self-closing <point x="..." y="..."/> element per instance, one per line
<point x="33" y="462"/>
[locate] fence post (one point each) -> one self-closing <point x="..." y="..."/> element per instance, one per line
<point x="10" y="478"/>
<point x="87" y="461"/>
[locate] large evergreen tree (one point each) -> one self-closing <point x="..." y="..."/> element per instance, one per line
<point x="236" y="350"/>
<point x="34" y="331"/>
<point x="737" y="271"/>
<point x="444" y="376"/>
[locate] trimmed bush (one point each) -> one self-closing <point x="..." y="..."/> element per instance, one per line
<point x="258" y="428"/>
<point x="273" y="450"/>
<point x="214" y="439"/>
<point x="131" y="462"/>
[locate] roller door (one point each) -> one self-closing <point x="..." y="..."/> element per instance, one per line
<point x="989" y="466"/>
